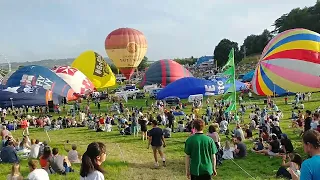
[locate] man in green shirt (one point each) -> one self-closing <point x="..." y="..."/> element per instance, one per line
<point x="200" y="154"/>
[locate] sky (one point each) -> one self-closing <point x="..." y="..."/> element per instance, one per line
<point x="52" y="29"/>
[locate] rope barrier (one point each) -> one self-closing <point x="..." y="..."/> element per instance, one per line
<point x="243" y="169"/>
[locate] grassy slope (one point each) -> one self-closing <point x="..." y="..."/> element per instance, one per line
<point x="134" y="161"/>
<point x="249" y="59"/>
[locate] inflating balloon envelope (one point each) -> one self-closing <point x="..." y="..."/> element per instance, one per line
<point x="289" y="63"/>
<point x="40" y="77"/>
<point x="92" y="65"/>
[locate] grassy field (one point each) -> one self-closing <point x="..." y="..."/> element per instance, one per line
<point x="129" y="158"/>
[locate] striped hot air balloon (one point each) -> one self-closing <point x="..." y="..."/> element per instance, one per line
<point x="164" y="72"/>
<point x="289" y="63"/>
<point x="126" y="48"/>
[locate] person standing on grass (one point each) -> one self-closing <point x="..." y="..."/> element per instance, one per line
<point x="307" y="122"/>
<point x="134" y="124"/>
<point x="25" y="126"/>
<point x="310" y="168"/>
<point x="156" y="140"/>
<point x="171" y="120"/>
<point x="200" y="154"/>
<point x="143" y="124"/>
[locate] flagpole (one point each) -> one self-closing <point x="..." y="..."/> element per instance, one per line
<point x="234" y="85"/>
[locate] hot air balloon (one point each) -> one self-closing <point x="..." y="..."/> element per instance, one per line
<point x="95" y="68"/>
<point x="75" y="78"/>
<point x="289" y="63"/>
<point x="34" y="76"/>
<point x="193" y="86"/>
<point x="27" y="96"/>
<point x="126" y="47"/>
<point x="164" y="72"/>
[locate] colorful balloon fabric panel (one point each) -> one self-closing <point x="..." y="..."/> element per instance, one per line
<point x="289" y="63"/>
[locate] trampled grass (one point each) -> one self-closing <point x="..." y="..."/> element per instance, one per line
<point x="129" y="158"/>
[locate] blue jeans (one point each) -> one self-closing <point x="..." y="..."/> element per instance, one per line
<point x="67" y="169"/>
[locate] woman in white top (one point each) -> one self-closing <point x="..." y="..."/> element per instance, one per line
<point x="91" y="162"/>
<point x="227" y="151"/>
<point x="15" y="173"/>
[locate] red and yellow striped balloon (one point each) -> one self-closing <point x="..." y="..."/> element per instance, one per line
<point x="126" y="47"/>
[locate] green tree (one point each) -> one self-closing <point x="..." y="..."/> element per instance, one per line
<point x="222" y="50"/>
<point x="190" y="61"/>
<point x="144" y="64"/>
<point x="308" y="18"/>
<point x="255" y="44"/>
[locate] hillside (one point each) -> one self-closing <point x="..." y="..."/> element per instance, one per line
<point x="247" y="64"/>
<point x="47" y="63"/>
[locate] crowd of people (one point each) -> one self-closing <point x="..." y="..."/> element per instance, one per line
<point x="206" y="149"/>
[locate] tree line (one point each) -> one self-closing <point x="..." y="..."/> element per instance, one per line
<point x="308" y="18"/>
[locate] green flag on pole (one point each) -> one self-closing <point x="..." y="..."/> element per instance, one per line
<point x="230" y="60"/>
<point x="230" y="81"/>
<point x="229" y="71"/>
<point x="230" y="98"/>
<point x="232" y="107"/>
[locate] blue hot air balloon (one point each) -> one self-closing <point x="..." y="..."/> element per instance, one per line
<point x="41" y="77"/>
<point x="27" y="96"/>
<point x="187" y="86"/>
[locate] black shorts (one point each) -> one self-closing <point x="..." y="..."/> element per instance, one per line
<point x="201" y="177"/>
<point x="144" y="128"/>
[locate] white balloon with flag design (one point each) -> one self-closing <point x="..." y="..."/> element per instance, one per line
<point x="76" y="79"/>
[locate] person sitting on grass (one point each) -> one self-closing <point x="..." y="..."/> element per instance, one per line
<point x="181" y="127"/>
<point x="9" y="154"/>
<point x="286" y="144"/>
<point x="25" y="144"/>
<point x="240" y="148"/>
<point x="248" y="132"/>
<point x="273" y="148"/>
<point x="36" y="174"/>
<point x="264" y="134"/>
<point x="15" y="172"/>
<point x="60" y="164"/>
<point x="167" y="132"/>
<point x="238" y="132"/>
<point x="34" y="152"/>
<point x="126" y="129"/>
<point x="310" y="167"/>
<point x="44" y="158"/>
<point x="292" y="165"/>
<point x="73" y="155"/>
<point x="227" y="150"/>
<point x="258" y="146"/>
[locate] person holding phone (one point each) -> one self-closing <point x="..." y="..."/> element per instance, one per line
<point x="156" y="140"/>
